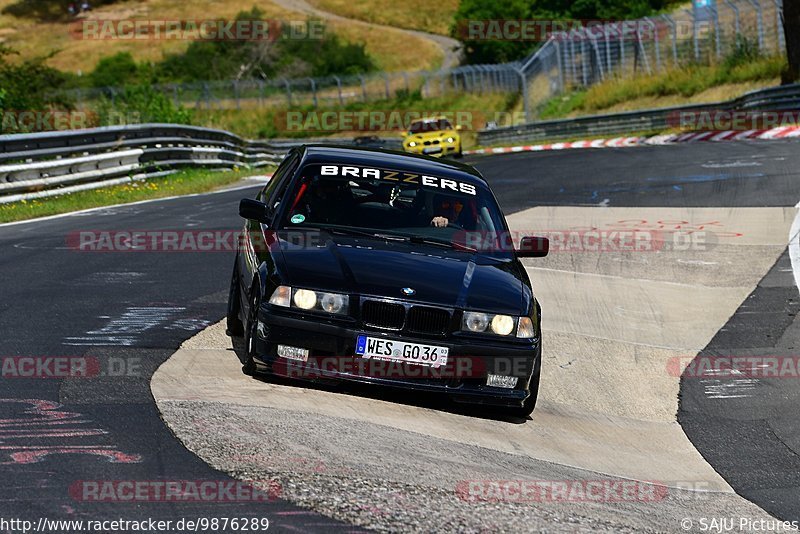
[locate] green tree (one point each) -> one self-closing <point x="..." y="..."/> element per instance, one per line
<point x="493" y="50"/>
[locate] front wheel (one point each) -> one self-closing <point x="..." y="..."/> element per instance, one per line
<point x="251" y="332"/>
<point x="235" y="328"/>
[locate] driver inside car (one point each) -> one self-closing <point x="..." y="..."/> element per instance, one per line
<point x="447" y="210"/>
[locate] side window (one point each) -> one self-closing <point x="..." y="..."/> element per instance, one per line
<point x="271" y="194"/>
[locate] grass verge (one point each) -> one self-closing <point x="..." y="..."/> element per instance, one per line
<point x="264" y="123"/>
<point x="688" y="85"/>
<point x="182" y="183"/>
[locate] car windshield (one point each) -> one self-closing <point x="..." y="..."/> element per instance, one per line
<point x="430" y="126"/>
<point x="384" y="202"/>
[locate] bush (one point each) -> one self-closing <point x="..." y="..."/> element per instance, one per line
<point x="141" y="104"/>
<point x="116" y="70"/>
<point x="222" y="60"/>
<point x="28" y="86"/>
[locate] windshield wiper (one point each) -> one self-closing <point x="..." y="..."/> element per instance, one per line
<point x="440" y="243"/>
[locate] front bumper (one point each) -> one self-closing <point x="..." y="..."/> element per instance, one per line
<point x="332" y="358"/>
<point x="445" y="149"/>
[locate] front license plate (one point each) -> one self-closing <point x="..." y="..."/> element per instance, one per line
<point x="400" y="351"/>
<point x="431" y="150"/>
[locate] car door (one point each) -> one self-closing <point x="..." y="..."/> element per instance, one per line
<point x="255" y="234"/>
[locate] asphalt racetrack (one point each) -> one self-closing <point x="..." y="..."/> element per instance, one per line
<point x="619" y="328"/>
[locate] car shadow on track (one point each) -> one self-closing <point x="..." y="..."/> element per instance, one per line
<point x="418" y="399"/>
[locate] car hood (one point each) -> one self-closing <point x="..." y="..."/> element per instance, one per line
<point x="438" y="276"/>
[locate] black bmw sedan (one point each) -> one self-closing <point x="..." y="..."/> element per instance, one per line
<point x="390" y="269"/>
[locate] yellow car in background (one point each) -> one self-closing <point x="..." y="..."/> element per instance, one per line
<point x="435" y="136"/>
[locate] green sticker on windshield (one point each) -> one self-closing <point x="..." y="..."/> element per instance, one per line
<point x="297" y="219"/>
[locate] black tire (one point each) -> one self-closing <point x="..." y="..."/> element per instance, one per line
<point x="251" y="332"/>
<point x="235" y="328"/>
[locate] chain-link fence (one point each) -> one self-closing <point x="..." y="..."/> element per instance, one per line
<point x="323" y="92"/>
<point x="578" y="58"/>
<point x="653" y="44"/>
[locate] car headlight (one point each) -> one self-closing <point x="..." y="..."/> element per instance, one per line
<point x="450" y="140"/>
<point x="305" y="299"/>
<point x="475" y="322"/>
<point x="333" y="302"/>
<point x="412" y="143"/>
<point x="501" y="325"/>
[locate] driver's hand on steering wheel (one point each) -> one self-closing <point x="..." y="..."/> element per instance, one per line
<point x="440" y="222"/>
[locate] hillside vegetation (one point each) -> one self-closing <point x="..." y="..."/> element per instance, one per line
<point x="38" y="32"/>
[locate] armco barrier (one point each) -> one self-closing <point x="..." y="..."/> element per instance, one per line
<point x="51" y="163"/>
<point x="782" y="98"/>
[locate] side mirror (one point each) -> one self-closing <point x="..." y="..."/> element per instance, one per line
<point x="253" y="210"/>
<point x="404" y="134"/>
<point x="459" y="127"/>
<point x="533" y="247"/>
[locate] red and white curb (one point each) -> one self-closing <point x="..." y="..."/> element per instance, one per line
<point x="597" y="143"/>
<point x="617" y="142"/>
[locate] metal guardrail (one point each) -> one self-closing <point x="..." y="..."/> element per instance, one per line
<point x="782" y="98"/>
<point x="53" y="163"/>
